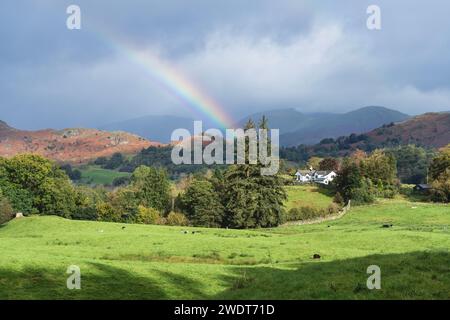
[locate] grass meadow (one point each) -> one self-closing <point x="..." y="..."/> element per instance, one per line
<point x="307" y="195"/>
<point x="92" y="174"/>
<point x="120" y="261"/>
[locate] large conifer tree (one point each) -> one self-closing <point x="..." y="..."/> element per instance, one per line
<point x="252" y="200"/>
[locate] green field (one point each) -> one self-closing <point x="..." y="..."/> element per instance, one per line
<point x="96" y="175"/>
<point x="160" y="262"/>
<point x="304" y="195"/>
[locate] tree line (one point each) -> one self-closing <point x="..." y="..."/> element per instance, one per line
<point x="237" y="197"/>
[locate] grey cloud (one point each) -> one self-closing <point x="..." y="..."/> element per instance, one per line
<point x="249" y="55"/>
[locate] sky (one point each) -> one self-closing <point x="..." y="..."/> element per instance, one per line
<point x="247" y="56"/>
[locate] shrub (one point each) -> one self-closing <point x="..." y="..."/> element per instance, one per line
<point x="147" y="215"/>
<point x="333" y="208"/>
<point x="177" y="219"/>
<point x="362" y="196"/>
<point x="294" y="214"/>
<point x="311" y="212"/>
<point x="305" y="213"/>
<point x="161" y="221"/>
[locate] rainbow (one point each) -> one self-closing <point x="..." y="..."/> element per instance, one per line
<point x="175" y="82"/>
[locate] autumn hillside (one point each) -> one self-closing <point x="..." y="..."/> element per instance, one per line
<point x="69" y="145"/>
<point x="429" y="129"/>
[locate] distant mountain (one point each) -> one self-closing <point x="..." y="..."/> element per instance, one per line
<point x="297" y="128"/>
<point x="287" y="120"/>
<point x="156" y="128"/>
<point x="69" y="145"/>
<point x="430" y="130"/>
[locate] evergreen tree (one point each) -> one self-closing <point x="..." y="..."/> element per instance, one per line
<point x="151" y="187"/>
<point x="252" y="200"/>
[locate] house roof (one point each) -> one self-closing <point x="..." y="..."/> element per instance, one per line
<point x="423" y="186"/>
<point x="323" y="173"/>
<point x="304" y="172"/>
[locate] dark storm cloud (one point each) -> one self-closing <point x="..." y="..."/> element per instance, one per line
<point x="248" y="55"/>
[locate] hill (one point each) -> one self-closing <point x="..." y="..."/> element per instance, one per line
<point x="75" y="145"/>
<point x="297" y="128"/>
<point x="161" y="262"/>
<point x="430" y="130"/>
<point x="156" y="128"/>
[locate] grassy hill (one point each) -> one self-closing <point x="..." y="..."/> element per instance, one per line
<point x="91" y="174"/>
<point x="160" y="262"/>
<point x="304" y="195"/>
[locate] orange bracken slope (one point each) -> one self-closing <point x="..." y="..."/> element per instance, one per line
<point x="69" y="145"/>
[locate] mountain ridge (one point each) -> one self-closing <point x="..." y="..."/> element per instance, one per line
<point x="299" y="128"/>
<point x="71" y="145"/>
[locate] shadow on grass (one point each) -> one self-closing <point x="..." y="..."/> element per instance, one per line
<point x="414" y="196"/>
<point x="417" y="275"/>
<point x="326" y="191"/>
<point x="98" y="281"/>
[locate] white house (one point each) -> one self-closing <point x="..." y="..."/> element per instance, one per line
<point x="323" y="177"/>
<point x="303" y="176"/>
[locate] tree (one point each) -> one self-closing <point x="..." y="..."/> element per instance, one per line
<point x="19" y="198"/>
<point x="380" y="166"/>
<point x="117" y="160"/>
<point x="348" y="179"/>
<point x="314" y="162"/>
<point x="202" y="204"/>
<point x="363" y="177"/>
<point x="6" y="210"/>
<point x="151" y="187"/>
<point x="125" y="203"/>
<point x="87" y="199"/>
<point x="101" y="161"/>
<point x="106" y="212"/>
<point x="412" y="163"/>
<point x="147" y="215"/>
<point x="440" y="175"/>
<point x="252" y="200"/>
<point x="329" y="164"/>
<point x="440" y="163"/>
<point x="73" y="174"/>
<point x="120" y="181"/>
<point x="440" y="188"/>
<point x="40" y="179"/>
